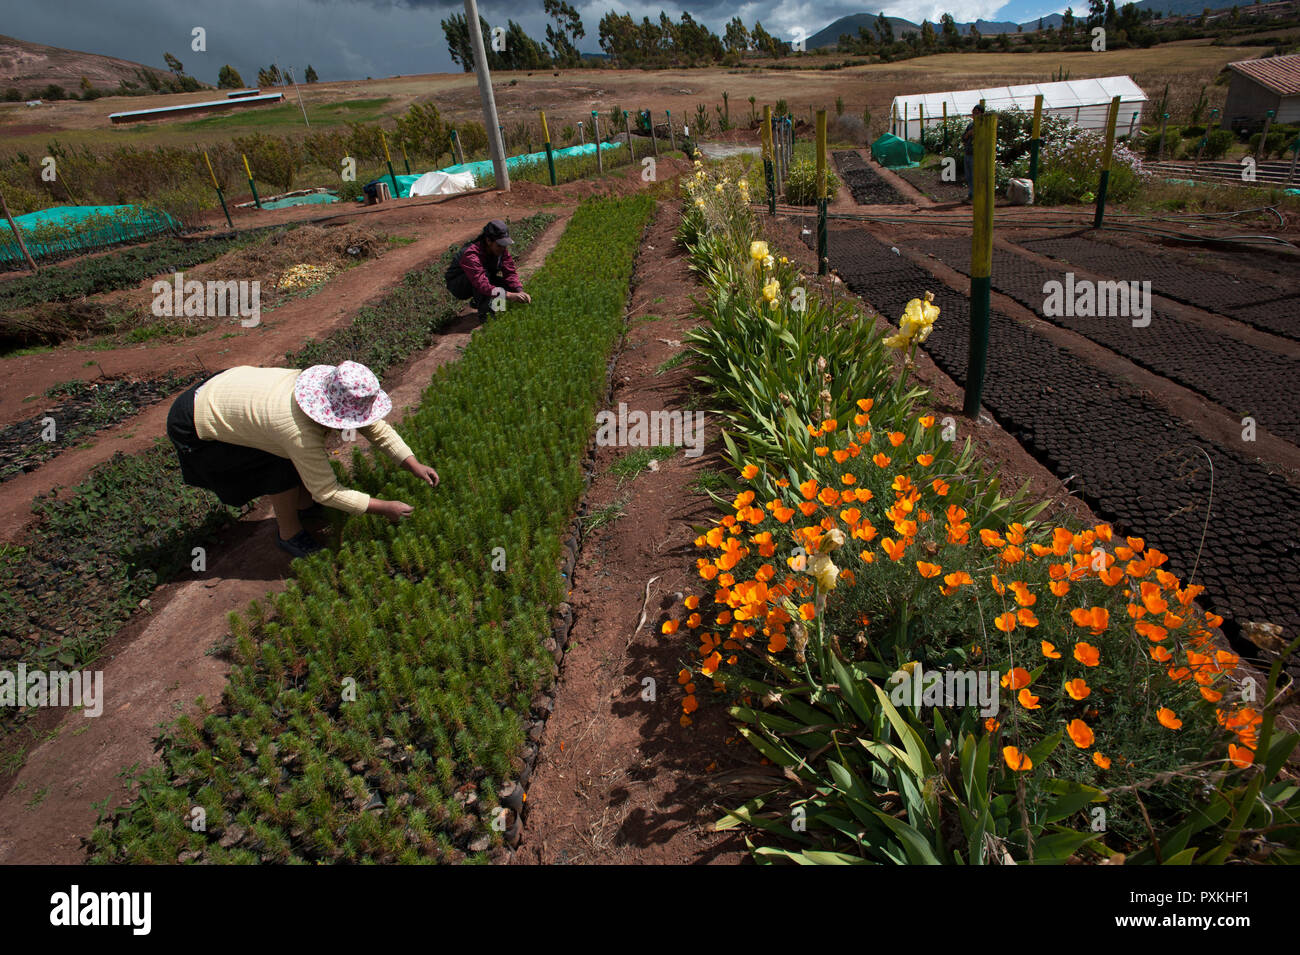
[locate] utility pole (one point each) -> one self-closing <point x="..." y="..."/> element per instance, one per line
<point x="495" y="146"/>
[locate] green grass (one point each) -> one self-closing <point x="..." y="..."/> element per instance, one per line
<point x="681" y="358"/>
<point x="709" y="481"/>
<point x="634" y="462"/>
<point x="288" y="114"/>
<point x="608" y="514"/>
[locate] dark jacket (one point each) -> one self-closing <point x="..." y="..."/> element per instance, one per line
<point x="475" y="271"/>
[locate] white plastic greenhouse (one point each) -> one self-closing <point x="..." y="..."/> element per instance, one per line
<point x="1082" y="102"/>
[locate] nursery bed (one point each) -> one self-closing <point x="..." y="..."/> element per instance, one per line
<point x="1122" y="452"/>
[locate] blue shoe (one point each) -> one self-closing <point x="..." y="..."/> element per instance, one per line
<point x="301" y="544"/>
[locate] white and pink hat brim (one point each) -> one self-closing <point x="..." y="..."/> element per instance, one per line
<point x="342" y="396"/>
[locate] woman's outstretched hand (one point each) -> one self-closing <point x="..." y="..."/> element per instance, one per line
<point x="422" y="471"/>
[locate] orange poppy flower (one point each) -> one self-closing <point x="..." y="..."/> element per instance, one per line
<point x="807" y="611"/>
<point x="991" y="539"/>
<point x="894" y="550"/>
<point x="1214" y="696"/>
<point x="1050" y="651"/>
<point x="866" y="403"/>
<point x="1087" y="654"/>
<point x="926" y="420"/>
<point x="881" y="459"/>
<point x="1080" y="733"/>
<point x="1028" y="700"/>
<point x="710" y="666"/>
<point x="829" y="425"/>
<point x="957" y="578"/>
<point x="1015" y="679"/>
<point x="928" y="570"/>
<point x="1016" y="760"/>
<point x="1060" y="587"/>
<point x="991" y="725"/>
<point x="1168" y="719"/>
<point x="1240" y="756"/>
<point x="821" y="451"/>
<point x="1160" y="654"/>
<point x="690" y="705"/>
<point x="749" y="471"/>
<point x="939" y="487"/>
<point x="1022" y="593"/>
<point x="925" y="460"/>
<point x="1026" y="617"/>
<point x="829" y="496"/>
<point x="1077" y="688"/>
<point x="670" y="626"/>
<point x="896" y="438"/>
<point x="1005" y="622"/>
<point x="1102" y="762"/>
<point x="840" y="456"/>
<point x="808" y="489"/>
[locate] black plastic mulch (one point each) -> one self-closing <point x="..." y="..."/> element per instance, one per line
<point x="1239" y="377"/>
<point x="1273" y="307"/>
<point x="867" y="186"/>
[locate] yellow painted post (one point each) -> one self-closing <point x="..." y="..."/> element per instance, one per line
<point x="256" y="199"/>
<point x="768" y="176"/>
<point x="981" y="260"/>
<point x="1111" y="118"/>
<point x="217" y="186"/>
<point x="1035" y="139"/>
<point x="389" y="159"/>
<point x="546" y="141"/>
<point x="823" y="254"/>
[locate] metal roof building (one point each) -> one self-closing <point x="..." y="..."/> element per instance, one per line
<point x="1084" y="102"/>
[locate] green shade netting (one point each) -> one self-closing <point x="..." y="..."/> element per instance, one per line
<point x="483" y="168"/>
<point x="80" y="229"/>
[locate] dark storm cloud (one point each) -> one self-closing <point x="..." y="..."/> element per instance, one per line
<point x="353" y="39"/>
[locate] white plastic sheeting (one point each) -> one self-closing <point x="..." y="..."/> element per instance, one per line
<point x="442" y="183"/>
<point x="1083" y="102"/>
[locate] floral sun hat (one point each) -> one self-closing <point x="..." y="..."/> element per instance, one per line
<point x="343" y="396"/>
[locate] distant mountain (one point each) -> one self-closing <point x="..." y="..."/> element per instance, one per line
<point x="831" y="34"/>
<point x="849" y="24"/>
<point x="30" y="67"/>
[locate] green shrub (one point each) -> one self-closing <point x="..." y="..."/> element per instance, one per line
<point x="801" y="183"/>
<point x="1217" y="143"/>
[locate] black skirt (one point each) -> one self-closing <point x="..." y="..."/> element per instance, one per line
<point x="235" y="473"/>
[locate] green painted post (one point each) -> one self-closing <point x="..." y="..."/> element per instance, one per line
<point x="768" y="176"/>
<point x="823" y="253"/>
<point x="550" y="153"/>
<point x="221" y="197"/>
<point x="1111" y="117"/>
<point x="389" y="159"/>
<point x="981" y="262"/>
<point x="257" y="201"/>
<point x="1035" y="140"/>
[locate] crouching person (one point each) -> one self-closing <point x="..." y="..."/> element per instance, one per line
<point x="253" y="432"/>
<point x="484" y="266"/>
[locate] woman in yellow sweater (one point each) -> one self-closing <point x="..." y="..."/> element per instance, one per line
<point x="251" y="432"/>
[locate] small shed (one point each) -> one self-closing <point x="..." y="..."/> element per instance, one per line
<point x="1083" y="102"/>
<point x="1260" y="85"/>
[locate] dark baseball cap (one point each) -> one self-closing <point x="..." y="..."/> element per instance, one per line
<point x="499" y="232"/>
